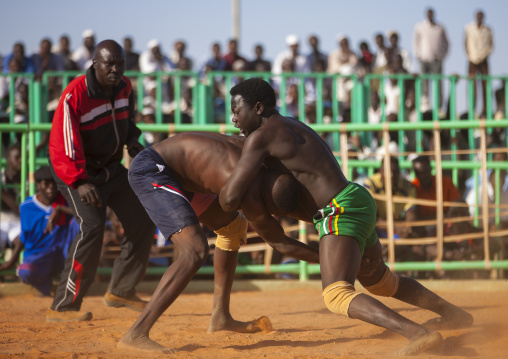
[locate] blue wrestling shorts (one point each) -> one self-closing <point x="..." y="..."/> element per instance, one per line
<point x="160" y="193"/>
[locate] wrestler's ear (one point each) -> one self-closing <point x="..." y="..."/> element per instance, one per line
<point x="259" y="107"/>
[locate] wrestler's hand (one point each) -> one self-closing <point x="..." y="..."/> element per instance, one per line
<point x="89" y="194"/>
<point x="134" y="149"/>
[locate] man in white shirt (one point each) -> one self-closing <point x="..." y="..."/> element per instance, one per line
<point x="153" y="60"/>
<point x="393" y="38"/>
<point x="82" y="56"/>
<point x="430" y="46"/>
<point x="343" y="60"/>
<point x="291" y="54"/>
<point x="479" y="45"/>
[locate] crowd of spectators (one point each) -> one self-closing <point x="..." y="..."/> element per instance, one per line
<point x="430" y="48"/>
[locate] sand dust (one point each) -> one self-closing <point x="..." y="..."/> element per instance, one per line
<point x="302" y="328"/>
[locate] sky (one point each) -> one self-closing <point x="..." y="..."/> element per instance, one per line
<point x="268" y="22"/>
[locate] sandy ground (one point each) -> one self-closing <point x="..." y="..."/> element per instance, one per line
<point x="303" y="328"/>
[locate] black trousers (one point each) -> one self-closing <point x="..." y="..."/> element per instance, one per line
<point x="84" y="252"/>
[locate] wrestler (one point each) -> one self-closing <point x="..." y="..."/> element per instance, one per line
<point x="345" y="217"/>
<point x="164" y="178"/>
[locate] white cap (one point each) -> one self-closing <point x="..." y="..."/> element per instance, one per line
<point x="292" y="40"/>
<point x="147" y="111"/>
<point x="412" y="156"/>
<point x="153" y="43"/>
<point x="340" y="37"/>
<point x="87" y="33"/>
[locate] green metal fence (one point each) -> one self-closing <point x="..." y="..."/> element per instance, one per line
<point x="203" y="120"/>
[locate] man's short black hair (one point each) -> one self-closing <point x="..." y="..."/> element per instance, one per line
<point x="43" y="173"/>
<point x="255" y="90"/>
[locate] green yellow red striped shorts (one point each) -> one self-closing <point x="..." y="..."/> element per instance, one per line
<point x="351" y="213"/>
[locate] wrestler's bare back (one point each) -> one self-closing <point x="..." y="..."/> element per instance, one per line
<point x="203" y="161"/>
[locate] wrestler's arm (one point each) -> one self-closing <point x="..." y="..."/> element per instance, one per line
<point x="253" y="154"/>
<point x="272" y="232"/>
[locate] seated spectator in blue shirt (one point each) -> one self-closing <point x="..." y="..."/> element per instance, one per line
<point x="46" y="231"/>
<point x="18" y="52"/>
<point x="45" y="60"/>
<point x="215" y="62"/>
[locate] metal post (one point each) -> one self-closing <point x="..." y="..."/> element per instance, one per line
<point x="302" y="232"/>
<point x="236" y="19"/>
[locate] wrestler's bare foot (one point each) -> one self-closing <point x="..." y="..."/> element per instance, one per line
<point x="458" y="321"/>
<point x="426" y="340"/>
<point x="143" y="343"/>
<point x="262" y="324"/>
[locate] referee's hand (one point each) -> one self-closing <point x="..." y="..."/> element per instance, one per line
<point x="88" y="194"/>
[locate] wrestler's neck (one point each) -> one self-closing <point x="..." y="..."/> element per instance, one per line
<point x="268" y="114"/>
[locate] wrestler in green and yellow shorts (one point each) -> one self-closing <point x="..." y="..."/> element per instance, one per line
<point x="351" y="213"/>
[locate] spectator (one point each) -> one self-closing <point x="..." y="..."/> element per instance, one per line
<point x="392" y="89"/>
<point x="178" y="54"/>
<point x="20" y="94"/>
<point x="239" y="66"/>
<point x="260" y="64"/>
<point x="479" y="45"/>
<point x="45" y="60"/>
<point x="288" y="61"/>
<point x="316" y="55"/>
<point x="186" y="85"/>
<point x="131" y="57"/>
<point x="366" y="58"/>
<point x="318" y="66"/>
<point x="64" y="51"/>
<point x="425" y="184"/>
<point x="153" y="60"/>
<point x="86" y="159"/>
<point x="395" y="50"/>
<point x="292" y="101"/>
<point x="400" y="187"/>
<point x="474" y="196"/>
<point x="11" y="179"/>
<point x="374" y="117"/>
<point x="232" y="55"/>
<point x="430" y="46"/>
<point x="82" y="56"/>
<point x="148" y="117"/>
<point x="380" y="63"/>
<point x="113" y="237"/>
<point x="18" y="53"/>
<point x="343" y="61"/>
<point x="292" y="54"/>
<point x="216" y="62"/>
<point x="45" y="234"/>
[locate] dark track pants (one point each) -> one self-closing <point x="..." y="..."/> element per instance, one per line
<point x="84" y="252"/>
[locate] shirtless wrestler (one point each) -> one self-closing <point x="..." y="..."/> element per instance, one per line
<point x="344" y="215"/>
<point x="164" y="177"/>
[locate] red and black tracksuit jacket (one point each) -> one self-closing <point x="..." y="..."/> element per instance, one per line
<point x="89" y="130"/>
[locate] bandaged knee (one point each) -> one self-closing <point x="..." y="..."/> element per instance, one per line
<point x="231" y="236"/>
<point x="387" y="286"/>
<point x="338" y="297"/>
